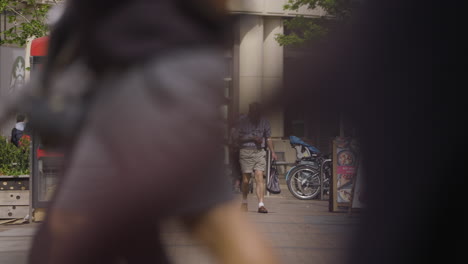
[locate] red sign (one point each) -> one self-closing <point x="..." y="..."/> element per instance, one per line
<point x="42" y="154"/>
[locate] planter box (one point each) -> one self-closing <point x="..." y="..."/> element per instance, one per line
<point x="14" y="196"/>
<point x="17" y="183"/>
<point x="14" y="211"/>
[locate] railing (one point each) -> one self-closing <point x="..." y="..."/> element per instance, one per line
<point x="322" y="176"/>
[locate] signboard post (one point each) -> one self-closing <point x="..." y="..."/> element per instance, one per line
<point x="358" y="194"/>
<point x="345" y="166"/>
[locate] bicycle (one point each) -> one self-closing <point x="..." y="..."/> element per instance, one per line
<point x="310" y="177"/>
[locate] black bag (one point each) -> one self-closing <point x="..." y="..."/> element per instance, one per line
<point x="273" y="185"/>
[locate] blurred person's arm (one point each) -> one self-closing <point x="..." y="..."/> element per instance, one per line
<point x="231" y="237"/>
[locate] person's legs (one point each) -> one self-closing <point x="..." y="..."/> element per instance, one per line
<point x="245" y="185"/>
<point x="260" y="186"/>
<point x="260" y="191"/>
<point x="246" y="161"/>
<point x="237" y="183"/>
<point x="235" y="171"/>
<point x="245" y="189"/>
<point x="259" y="169"/>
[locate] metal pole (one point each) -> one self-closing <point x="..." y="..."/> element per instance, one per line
<point x="31" y="151"/>
<point x="321" y="179"/>
<point x="268" y="170"/>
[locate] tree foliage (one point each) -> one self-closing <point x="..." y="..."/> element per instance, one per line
<point x="300" y="30"/>
<point x="26" y="19"/>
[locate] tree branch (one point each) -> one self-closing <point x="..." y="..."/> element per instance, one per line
<point x="18" y="13"/>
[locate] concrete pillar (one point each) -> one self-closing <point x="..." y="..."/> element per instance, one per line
<point x="250" y="61"/>
<point x="273" y="70"/>
<point x="260" y="65"/>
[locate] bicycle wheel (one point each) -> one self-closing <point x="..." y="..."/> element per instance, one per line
<point x="304" y="182"/>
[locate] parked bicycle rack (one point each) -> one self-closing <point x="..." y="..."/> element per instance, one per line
<point x="322" y="175"/>
<point x="283" y="163"/>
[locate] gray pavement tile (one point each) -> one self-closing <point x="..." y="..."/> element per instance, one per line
<point x="13" y="257"/>
<point x="14" y="244"/>
<point x="18" y="232"/>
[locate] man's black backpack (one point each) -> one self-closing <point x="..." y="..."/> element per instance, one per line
<point x="16" y="135"/>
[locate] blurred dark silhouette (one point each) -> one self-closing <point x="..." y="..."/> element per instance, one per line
<point x="380" y="70"/>
<point x="235" y="169"/>
<point x="132" y="89"/>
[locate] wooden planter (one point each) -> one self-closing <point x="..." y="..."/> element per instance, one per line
<point x="14" y="196"/>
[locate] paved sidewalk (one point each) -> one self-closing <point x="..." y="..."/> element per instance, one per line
<point x="300" y="231"/>
<point x="15" y="241"/>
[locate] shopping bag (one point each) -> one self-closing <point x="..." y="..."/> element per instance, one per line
<point x="273" y="185"/>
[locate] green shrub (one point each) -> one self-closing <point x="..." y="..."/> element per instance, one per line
<point x="14" y="160"/>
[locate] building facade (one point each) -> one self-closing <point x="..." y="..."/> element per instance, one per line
<point x="259" y="67"/>
<point x="256" y="67"/>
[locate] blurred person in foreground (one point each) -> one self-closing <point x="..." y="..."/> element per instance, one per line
<point x="149" y="73"/>
<point x="236" y="173"/>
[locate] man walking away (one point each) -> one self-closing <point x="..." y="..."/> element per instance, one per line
<point x="254" y="133"/>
